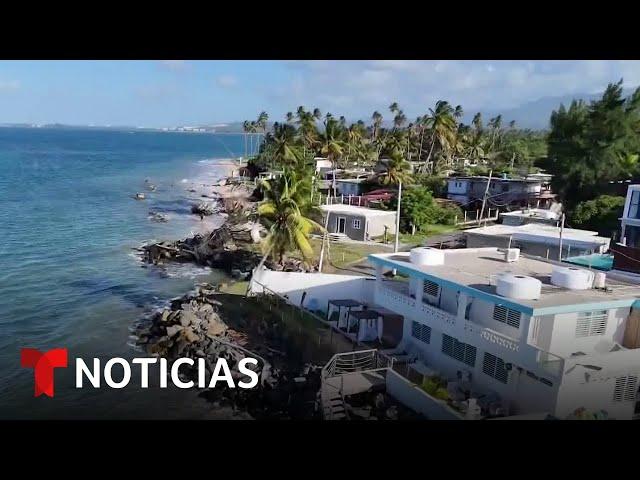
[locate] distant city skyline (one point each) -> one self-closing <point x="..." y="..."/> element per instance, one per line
<point x="156" y="94"/>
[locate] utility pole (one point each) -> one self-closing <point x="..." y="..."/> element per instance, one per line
<point x="324" y="237"/>
<point x="397" y="239"/>
<point x="484" y="199"/>
<point x="560" y="240"/>
<point x="395" y="247"/>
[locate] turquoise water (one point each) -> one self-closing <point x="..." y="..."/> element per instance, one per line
<point x="68" y="276"/>
<point x="598" y="261"/>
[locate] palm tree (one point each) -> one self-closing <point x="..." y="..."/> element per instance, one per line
<point x="283" y="214"/>
<point x="394" y="107"/>
<point x="317" y="113"/>
<point x="377" y="121"/>
<point x="331" y="144"/>
<point x="245" y="129"/>
<point x="286" y="151"/>
<point x="396" y="170"/>
<point x="441" y="121"/>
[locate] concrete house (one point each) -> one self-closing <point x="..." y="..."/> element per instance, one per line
<point x="358" y="223"/>
<point x="538" y="239"/>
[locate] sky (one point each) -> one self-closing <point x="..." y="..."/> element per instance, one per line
<point x="189" y="92"/>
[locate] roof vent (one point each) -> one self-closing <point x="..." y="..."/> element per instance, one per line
<point x="426" y="256"/>
<point x="572" y="278"/>
<point x="518" y="287"/>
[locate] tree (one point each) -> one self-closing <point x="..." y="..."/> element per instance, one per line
<point x="442" y="124"/>
<point x="600" y="214"/>
<point x="282" y="212"/>
<point x="396" y="170"/>
<point x="589" y="146"/>
<point x="286" y="152"/>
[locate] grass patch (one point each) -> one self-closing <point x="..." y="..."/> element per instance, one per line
<point x="420" y="237"/>
<point x="235" y="288"/>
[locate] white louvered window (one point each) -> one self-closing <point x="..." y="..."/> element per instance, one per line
<point x="626" y="389"/>
<point x="462" y="352"/>
<point x="356" y="224"/>
<point x="590" y="324"/>
<point x="506" y="315"/>
<point x="494" y="367"/>
<point x="430" y="288"/>
<point x="421" y="332"/>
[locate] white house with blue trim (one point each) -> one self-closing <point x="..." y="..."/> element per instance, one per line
<point x="540" y="335"/>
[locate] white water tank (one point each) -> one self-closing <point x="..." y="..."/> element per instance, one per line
<point x="572" y="278"/>
<point x="520" y="287"/>
<point x="426" y="256"/>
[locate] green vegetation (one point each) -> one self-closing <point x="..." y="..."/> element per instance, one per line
<point x="592" y="145"/>
<point x="600" y="214"/>
<point x="436" y="387"/>
<point x="419" y="239"/>
<point x="283" y="214"/>
<point x="588" y="148"/>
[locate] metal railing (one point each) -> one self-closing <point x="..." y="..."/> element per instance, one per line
<point x="358" y="361"/>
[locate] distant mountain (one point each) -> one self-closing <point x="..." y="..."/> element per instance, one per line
<point x="536" y="114"/>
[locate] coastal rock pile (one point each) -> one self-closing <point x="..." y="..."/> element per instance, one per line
<point x="203" y="208"/>
<point x="191" y="327"/>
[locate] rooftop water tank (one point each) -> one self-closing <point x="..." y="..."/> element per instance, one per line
<point x="426" y="256"/>
<point x="572" y="278"/>
<point x="520" y="287"/>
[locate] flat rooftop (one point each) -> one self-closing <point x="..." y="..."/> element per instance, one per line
<point x="352" y="209"/>
<point x="532" y="213"/>
<point x="537" y="232"/>
<point x="479" y="268"/>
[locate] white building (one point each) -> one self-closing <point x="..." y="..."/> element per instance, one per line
<point x="534" y="333"/>
<point x="538" y="239"/>
<point x="358" y="223"/>
<point x="630" y="221"/>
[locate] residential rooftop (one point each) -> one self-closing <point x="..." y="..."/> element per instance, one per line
<point x="477" y="270"/>
<point x="352" y="209"/>
<point x="537" y="232"/>
<point x="533" y="213"/>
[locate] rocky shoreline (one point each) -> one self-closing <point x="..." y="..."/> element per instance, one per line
<point x="193" y="325"/>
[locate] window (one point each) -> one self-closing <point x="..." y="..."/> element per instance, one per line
<point x="421" y="332"/>
<point x="634" y="211"/>
<point x="626" y="389"/>
<point x="506" y="315"/>
<point x="495" y="367"/>
<point x="590" y="324"/>
<point x="430" y="288"/>
<point x="462" y="352"/>
<point x="356" y="223"/>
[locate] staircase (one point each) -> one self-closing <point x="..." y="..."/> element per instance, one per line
<point x="347" y="366"/>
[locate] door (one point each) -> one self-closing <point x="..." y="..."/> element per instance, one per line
<point x="342" y="223"/>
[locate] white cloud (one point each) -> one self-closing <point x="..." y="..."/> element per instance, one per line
<point x="226" y="81"/>
<point x="9" y="85"/>
<point x="364" y="86"/>
<point x="174" y="65"/>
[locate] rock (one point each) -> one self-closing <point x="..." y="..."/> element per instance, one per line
<point x="139" y="196"/>
<point x="174" y="329"/>
<point x="200" y="353"/>
<point x="216" y="329"/>
<point x="205" y="308"/>
<point x="190" y="336"/>
<point x="203" y="208"/>
<point x="166" y="314"/>
<point x="187" y="318"/>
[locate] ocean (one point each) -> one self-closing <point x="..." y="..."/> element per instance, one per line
<point x="69" y="276"/>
